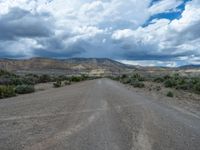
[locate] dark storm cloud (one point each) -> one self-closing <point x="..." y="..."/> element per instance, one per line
<point x="142" y="55"/>
<point x="74" y="51"/>
<point x="21" y="23"/>
<point x="4" y="54"/>
<point x="54" y="47"/>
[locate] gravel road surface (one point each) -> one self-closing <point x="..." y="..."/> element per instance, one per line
<point x="95" y="115"/>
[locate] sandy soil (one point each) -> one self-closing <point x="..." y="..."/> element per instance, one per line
<point x="183" y="99"/>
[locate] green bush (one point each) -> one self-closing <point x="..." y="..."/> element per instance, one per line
<point x="170" y="83"/>
<point x="170" y="94"/>
<point x="166" y="77"/>
<point x="195" y="80"/>
<point x="75" y="79"/>
<point x="126" y="80"/>
<point x="4" y="72"/>
<point x="159" y="80"/>
<point x="138" y="84"/>
<point x="84" y="77"/>
<point x="124" y="76"/>
<point x="7" y="91"/>
<point x="57" y="84"/>
<point x="185" y="86"/>
<point x="116" y="78"/>
<point x="191" y="84"/>
<point x="197" y="87"/>
<point x="31" y="79"/>
<point x="17" y="81"/>
<point x="137" y="77"/>
<point x="44" y="78"/>
<point x="24" y="89"/>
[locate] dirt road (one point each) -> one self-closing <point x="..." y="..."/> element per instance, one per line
<point x="95" y="115"/>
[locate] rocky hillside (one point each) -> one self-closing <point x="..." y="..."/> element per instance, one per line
<point x="66" y="66"/>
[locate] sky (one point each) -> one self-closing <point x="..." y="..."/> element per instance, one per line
<point x="138" y="32"/>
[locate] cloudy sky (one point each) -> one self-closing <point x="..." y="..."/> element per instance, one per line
<point x="144" y="32"/>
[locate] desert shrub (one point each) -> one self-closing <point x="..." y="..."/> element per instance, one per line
<point x="124" y="76"/>
<point x="4" y="72"/>
<point x="126" y="80"/>
<point x="170" y="83"/>
<point x="141" y="79"/>
<point x="170" y="94"/>
<point x="75" y="79"/>
<point x="185" y="86"/>
<point x="61" y="78"/>
<point x="137" y="77"/>
<point x="191" y="84"/>
<point x="180" y="81"/>
<point x="197" y="87"/>
<point x="166" y="77"/>
<point x="195" y="80"/>
<point x="57" y="84"/>
<point x="116" y="78"/>
<point x="10" y="79"/>
<point x="32" y="75"/>
<point x="7" y="78"/>
<point x="159" y="79"/>
<point x="32" y="79"/>
<point x="44" y="78"/>
<point x="24" y="89"/>
<point x="176" y="76"/>
<point x="7" y="91"/>
<point x="67" y="82"/>
<point x="84" y="77"/>
<point x="17" y="80"/>
<point x="138" y="84"/>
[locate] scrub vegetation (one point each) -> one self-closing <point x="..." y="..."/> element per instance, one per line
<point x="12" y="84"/>
<point x="176" y="81"/>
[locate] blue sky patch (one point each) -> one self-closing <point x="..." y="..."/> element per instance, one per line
<point x="170" y="15"/>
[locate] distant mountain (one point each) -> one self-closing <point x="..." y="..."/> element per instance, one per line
<point x="190" y="67"/>
<point x="65" y="66"/>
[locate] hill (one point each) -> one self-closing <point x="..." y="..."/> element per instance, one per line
<point x="190" y="67"/>
<point x="93" y="66"/>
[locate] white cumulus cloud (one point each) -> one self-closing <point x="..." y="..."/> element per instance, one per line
<point x="101" y="28"/>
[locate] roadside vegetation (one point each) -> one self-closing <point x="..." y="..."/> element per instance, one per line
<point x="12" y="84"/>
<point x="174" y="81"/>
<point x="7" y="91"/>
<point x="24" y="89"/>
<point x="170" y="94"/>
<point x="136" y="80"/>
<point x="61" y="81"/>
<point x="177" y="81"/>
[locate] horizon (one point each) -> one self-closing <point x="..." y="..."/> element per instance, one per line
<point x="119" y="61"/>
<point x="162" y="33"/>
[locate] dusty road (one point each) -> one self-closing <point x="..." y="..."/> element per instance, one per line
<point x="95" y="115"/>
